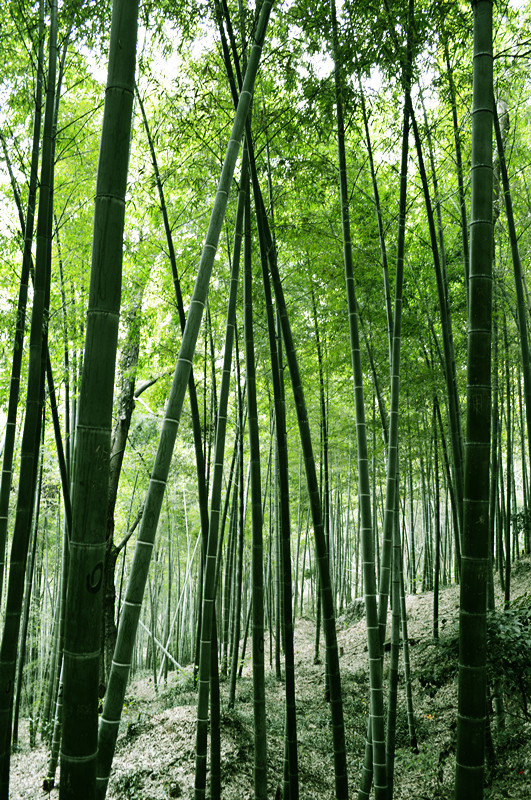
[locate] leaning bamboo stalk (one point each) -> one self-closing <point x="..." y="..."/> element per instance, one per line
<point x="178" y="608"/>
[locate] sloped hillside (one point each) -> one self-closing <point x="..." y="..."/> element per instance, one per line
<point x="155" y="755"/>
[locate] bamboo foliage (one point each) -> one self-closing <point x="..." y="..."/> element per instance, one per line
<point x="458" y="156"/>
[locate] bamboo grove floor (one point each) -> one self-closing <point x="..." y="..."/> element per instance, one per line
<point x="155" y="754"/>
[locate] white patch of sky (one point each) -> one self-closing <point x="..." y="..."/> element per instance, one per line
<point x="97" y="67"/>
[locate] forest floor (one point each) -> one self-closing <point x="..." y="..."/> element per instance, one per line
<point x="155" y="753"/>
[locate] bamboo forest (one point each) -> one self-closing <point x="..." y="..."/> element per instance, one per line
<point x="265" y="399"/>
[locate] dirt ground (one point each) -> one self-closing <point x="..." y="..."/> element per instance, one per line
<point x="155" y="753"/>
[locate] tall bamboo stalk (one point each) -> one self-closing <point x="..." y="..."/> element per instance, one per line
<point x="139" y="571"/>
<point x="257" y="554"/>
<point x="209" y="584"/>
<point x="521" y="315"/>
<point x="84" y="606"/>
<point x="32" y="422"/>
<point x="475" y="555"/>
<point x="309" y="460"/>
<point x="364" y="492"/>
<point x="18" y="349"/>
